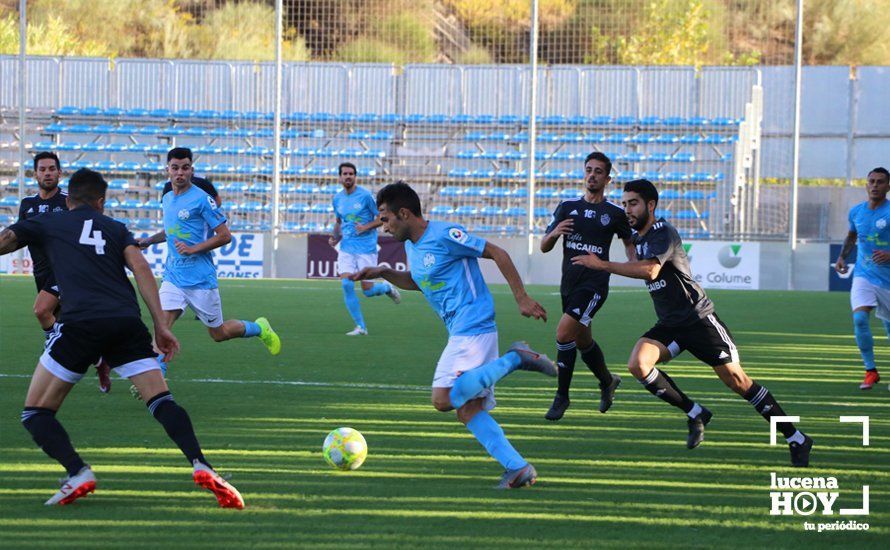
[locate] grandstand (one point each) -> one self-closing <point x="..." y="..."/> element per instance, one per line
<point x="470" y="165"/>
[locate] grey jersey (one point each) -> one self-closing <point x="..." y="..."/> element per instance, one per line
<point x="678" y="299"/>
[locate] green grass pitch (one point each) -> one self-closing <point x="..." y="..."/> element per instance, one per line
<point x="623" y="479"/>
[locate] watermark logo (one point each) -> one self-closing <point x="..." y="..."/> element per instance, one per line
<point x="809" y="496"/>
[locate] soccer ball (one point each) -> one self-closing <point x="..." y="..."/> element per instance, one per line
<point x="345" y="449"/>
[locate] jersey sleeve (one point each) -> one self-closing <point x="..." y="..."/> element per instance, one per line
<point x="28" y="231"/>
<point x="334" y="206"/>
<point x="663" y="245"/>
<point x="622" y="226"/>
<point x="461" y="244"/>
<point x="371" y="205"/>
<point x="558" y="216"/>
<point x="22" y="211"/>
<point x="851" y="217"/>
<point x="211" y="213"/>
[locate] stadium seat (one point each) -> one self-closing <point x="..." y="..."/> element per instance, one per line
<point x="441" y="210"/>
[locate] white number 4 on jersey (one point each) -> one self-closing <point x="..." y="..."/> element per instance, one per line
<point x="94" y="240"/>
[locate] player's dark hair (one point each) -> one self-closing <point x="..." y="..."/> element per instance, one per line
<point x="47" y="155"/>
<point x="399" y="195"/>
<point x="881" y="170"/>
<point x="179" y="153"/>
<point x="86" y="186"/>
<point x="643" y="188"/>
<point x="596" y="155"/>
<point x="346" y="165"/>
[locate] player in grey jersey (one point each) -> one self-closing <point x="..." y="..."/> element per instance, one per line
<point x="686" y="321"/>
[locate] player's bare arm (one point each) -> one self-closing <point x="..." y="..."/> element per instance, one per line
<point x="145" y="242"/>
<point x="562" y="228"/>
<point x="222" y="236"/>
<point x="371" y="225"/>
<point x="8" y="242"/>
<point x="336" y="235"/>
<point x="642" y="269"/>
<point x="148" y="289"/>
<point x="841" y="264"/>
<point x="629" y="249"/>
<point x="401" y="279"/>
<point x="527" y="305"/>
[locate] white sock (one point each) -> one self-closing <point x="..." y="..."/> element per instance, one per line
<point x="695" y="411"/>
<point x="796" y="438"/>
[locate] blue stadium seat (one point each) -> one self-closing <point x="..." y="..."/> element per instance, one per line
<point x="152" y="167"/>
<point x="683" y="157"/>
<point x="650" y="121"/>
<point x="659" y="157"/>
<point x="687" y="215"/>
<point x="130" y="204"/>
<point x="666" y="139"/>
<point x="322" y="208"/>
<point x="515" y="212"/>
<point x="541" y="212"/>
<point x="669" y="194"/>
<point x="152" y="204"/>
<point x="694" y="195"/>
<point x="107" y="166"/>
<point x="9" y="200"/>
<point x="675" y="176"/>
<point x="260" y="188"/>
<point x="625" y="121"/>
<point x="633" y="156"/>
<point x="459" y="173"/>
<point x="247" y="169"/>
<point x="569" y="193"/>
<point x="701" y="177"/>
<point x="506" y="173"/>
<point x="196" y="131"/>
<point x="441" y="210"/>
<point x="492" y="211"/>
<point x="466" y="210"/>
<point x="617" y="138"/>
<point x="297" y="208"/>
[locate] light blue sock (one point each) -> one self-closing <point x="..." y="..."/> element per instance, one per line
<point x="251" y="329"/>
<point x="474" y="381"/>
<point x="162" y="364"/>
<point x="487" y="430"/>
<point x="352" y="303"/>
<point x="377" y="290"/>
<point x="864" y="340"/>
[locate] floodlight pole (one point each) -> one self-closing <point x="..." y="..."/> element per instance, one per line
<point x="532" y="129"/>
<point x="276" y="138"/>
<point x="23" y="45"/>
<point x="795" y="138"/>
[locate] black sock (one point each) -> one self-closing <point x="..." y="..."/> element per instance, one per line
<point x="593" y="358"/>
<point x="50" y="436"/>
<point x="178" y="425"/>
<point x="766" y="405"/>
<point x="565" y="360"/>
<point x="663" y="387"/>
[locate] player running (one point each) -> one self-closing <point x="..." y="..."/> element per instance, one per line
<point x="444" y="266"/>
<point x="586" y="224"/>
<point x="870" y="232"/>
<point x="50" y="198"/>
<point x="190" y="215"/>
<point x="356" y="232"/>
<point x="686" y="321"/>
<point x="100" y="317"/>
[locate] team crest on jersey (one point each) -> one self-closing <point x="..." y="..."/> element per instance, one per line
<point x="356" y="205"/>
<point x="184" y="213"/>
<point x="458" y="235"/>
<point x="58" y="209"/>
<point x="605" y="219"/>
<point x="881" y="224"/>
<point x="429" y="260"/>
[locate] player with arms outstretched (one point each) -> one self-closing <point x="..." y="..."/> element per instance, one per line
<point x="443" y="259"/>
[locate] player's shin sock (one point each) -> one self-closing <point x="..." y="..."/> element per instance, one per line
<point x="663" y="387"/>
<point x="565" y="361"/>
<point x="377" y="290"/>
<point x="251" y="329"/>
<point x="490" y="434"/>
<point x="596" y="362"/>
<point x="864" y="340"/>
<point x="50" y="436"/>
<point x="177" y="424"/>
<point x="767" y="406"/>
<point x="352" y="303"/>
<point x="471" y="382"/>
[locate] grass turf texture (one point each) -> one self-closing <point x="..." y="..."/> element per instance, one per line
<point x="622" y="479"/>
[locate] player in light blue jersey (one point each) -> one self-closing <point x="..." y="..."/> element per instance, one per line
<point x="356" y="233"/>
<point x="194" y="226"/>
<point x="443" y="261"/>
<point x="870" y="233"/>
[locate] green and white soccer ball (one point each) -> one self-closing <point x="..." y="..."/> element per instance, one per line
<point x="345" y="449"/>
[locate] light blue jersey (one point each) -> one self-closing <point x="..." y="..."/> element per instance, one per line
<point x="190" y="217"/>
<point x="872" y="228"/>
<point x="444" y="265"/>
<point x="357" y="208"/>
